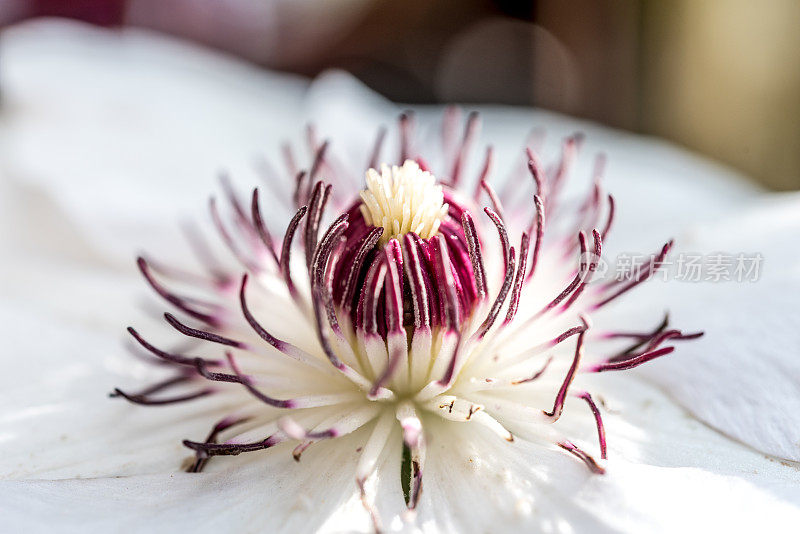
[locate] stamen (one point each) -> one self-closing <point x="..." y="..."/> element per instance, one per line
<point x="158" y="386"/>
<point x="535" y="375"/>
<point x="484" y="175"/>
<point x="233" y="199"/>
<point x="316" y="208"/>
<point x="298" y="451"/>
<point x="325" y="270"/>
<point x="374" y="160"/>
<point x="509" y="362"/>
<point x="261" y="228"/>
<point x="284" y="347"/>
<point x="539" y="223"/>
<point x="575" y="281"/>
<point x="483" y="418"/>
<point x="231" y="449"/>
<point x="609" y="217"/>
<point x="415" y="274"/>
<point x="323" y="250"/>
<point x="246" y="382"/>
<point x="654" y="342"/>
<point x="470" y="132"/>
<point x="639" y="335"/>
<point x="450" y="373"/>
<point x="312" y="174"/>
<point x="290" y="427"/>
<point x="493" y="198"/>
<point x="631" y="363"/>
<point x="286" y="251"/>
<point x="581" y="455"/>
<point x="501" y="230"/>
<point x="339" y="424"/>
<point x="168" y="271"/>
<point x="394" y="312"/>
<point x="173" y="358"/>
<point x="299" y="179"/>
<point x="204" y="255"/>
<point x="394" y="286"/>
<point x="181" y="303"/>
<point x="394" y="360"/>
<point x="319" y="298"/>
<point x="589" y="272"/>
<point x="223" y="425"/>
<point x="501" y="297"/>
<point x="445" y="283"/>
<point x="513" y="303"/>
<point x="367" y="244"/>
<point x="222" y="230"/>
<point x="202" y="334"/>
<point x="270" y="177"/>
<point x="146" y="400"/>
<point x="454" y="408"/>
<point x="537" y="173"/>
<point x="647" y="273"/>
<point x="406" y="124"/>
<point x="601" y="432"/>
<point x="568" y="153"/>
<point x="202" y="370"/>
<point x="475" y="257"/>
<point x="368" y="304"/>
<point x="558" y="405"/>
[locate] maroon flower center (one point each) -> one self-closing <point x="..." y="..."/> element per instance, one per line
<point x="410" y="282"/>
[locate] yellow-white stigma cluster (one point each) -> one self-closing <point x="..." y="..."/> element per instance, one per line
<point x="403" y="199"/>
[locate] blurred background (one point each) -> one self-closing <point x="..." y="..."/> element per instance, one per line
<point x="721" y="77"/>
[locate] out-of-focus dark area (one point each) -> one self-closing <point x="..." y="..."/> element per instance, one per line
<point x="721" y="77"/>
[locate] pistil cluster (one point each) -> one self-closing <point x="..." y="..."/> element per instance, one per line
<point x="416" y="298"/>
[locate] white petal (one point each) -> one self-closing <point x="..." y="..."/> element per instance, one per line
<point x="743" y="376"/>
<point x="127" y="129"/>
<point x="57" y="420"/>
<point x="666" y="473"/>
<point x="180" y="118"/>
<point x="269" y="493"/>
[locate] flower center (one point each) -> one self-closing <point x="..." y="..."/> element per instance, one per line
<point x="405" y="261"/>
<point x="402" y="200"/>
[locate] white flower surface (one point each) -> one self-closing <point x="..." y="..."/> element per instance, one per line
<point x="704" y="439"/>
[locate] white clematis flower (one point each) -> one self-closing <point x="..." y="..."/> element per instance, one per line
<point x="73" y="206"/>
